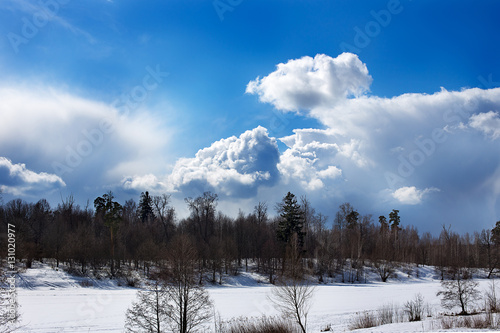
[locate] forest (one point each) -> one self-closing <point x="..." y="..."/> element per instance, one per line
<point x="119" y="238"/>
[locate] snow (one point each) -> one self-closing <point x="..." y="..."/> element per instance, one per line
<point x="53" y="301"/>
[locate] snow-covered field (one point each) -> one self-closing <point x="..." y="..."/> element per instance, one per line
<point x="53" y="301"/>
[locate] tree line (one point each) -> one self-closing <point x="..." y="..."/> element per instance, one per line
<point x="297" y="240"/>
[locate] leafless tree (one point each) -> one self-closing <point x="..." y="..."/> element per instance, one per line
<point x="174" y="300"/>
<point x="164" y="212"/>
<point x="292" y="297"/>
<point x="384" y="268"/>
<point x="461" y="291"/>
<point x="189" y="303"/>
<point x="149" y="312"/>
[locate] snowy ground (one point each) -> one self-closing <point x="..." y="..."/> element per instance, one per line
<point x="53" y="301"/>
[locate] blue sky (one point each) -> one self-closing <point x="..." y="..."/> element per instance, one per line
<point x="251" y="99"/>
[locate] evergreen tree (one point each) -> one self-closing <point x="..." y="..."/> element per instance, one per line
<point x="145" y="209"/>
<point x="291" y="221"/>
<point x="111" y="212"/>
<point x="383" y="221"/>
<point x="352" y="219"/>
<point x="394" y="220"/>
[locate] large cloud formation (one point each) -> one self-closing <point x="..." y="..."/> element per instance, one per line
<point x="234" y="166"/>
<point x="87" y="144"/>
<point x="385" y="149"/>
<point x="309" y="82"/>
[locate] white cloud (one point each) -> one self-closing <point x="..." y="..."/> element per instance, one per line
<point x="488" y="123"/>
<point x="380" y="145"/>
<point x="330" y="172"/>
<point x="308" y="83"/>
<point x="234" y="166"/>
<point x="309" y="161"/>
<point x="85" y="142"/>
<point x="410" y="195"/>
<point x="146" y="182"/>
<point x="16" y="179"/>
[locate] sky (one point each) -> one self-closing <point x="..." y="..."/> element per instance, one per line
<point x="383" y="104"/>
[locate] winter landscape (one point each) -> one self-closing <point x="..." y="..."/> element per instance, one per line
<point x="249" y="166"/>
<point x="53" y="301"/>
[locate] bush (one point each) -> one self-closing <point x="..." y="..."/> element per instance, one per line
<point x="447" y="323"/>
<point x="364" y="320"/>
<point x="257" y="325"/>
<point x="486" y="321"/>
<point x="414" y="309"/>
<point x="387" y="314"/>
<point x="492" y="302"/>
<point x="327" y="328"/>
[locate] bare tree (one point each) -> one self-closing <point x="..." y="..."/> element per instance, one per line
<point x="385" y="269"/>
<point x="461" y="292"/>
<point x="292" y="298"/>
<point x="165" y="213"/>
<point x="149" y="312"/>
<point x="174" y="300"/>
<point x="189" y="303"/>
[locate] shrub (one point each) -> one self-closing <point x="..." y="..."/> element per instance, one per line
<point x="486" y="321"/>
<point x="414" y="309"/>
<point x="364" y="320"/>
<point x="327" y="328"/>
<point x="492" y="302"/>
<point x="257" y="325"/>
<point x="447" y="323"/>
<point x="387" y="314"/>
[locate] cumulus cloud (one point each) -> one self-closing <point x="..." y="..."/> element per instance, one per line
<point x="374" y="143"/>
<point x="308" y="159"/>
<point x="410" y="195"/>
<point x="233" y="166"/>
<point x="16" y="179"/>
<point x="308" y="83"/>
<point x="488" y="123"/>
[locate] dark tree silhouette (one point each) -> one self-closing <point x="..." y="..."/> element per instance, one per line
<point x="291" y="219"/>
<point x="145" y="209"/>
<point x="394" y="220"/>
<point x="110" y="211"/>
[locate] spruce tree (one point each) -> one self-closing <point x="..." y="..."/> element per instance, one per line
<point x="291" y="221"/>
<point x="145" y="209"/>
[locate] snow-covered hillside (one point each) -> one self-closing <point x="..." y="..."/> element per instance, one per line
<point x="53" y="301"/>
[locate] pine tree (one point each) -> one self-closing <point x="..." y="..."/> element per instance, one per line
<point x="394" y="220"/>
<point x="383" y="222"/>
<point x="111" y="212"/>
<point x="291" y="221"/>
<point x="352" y="219"/>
